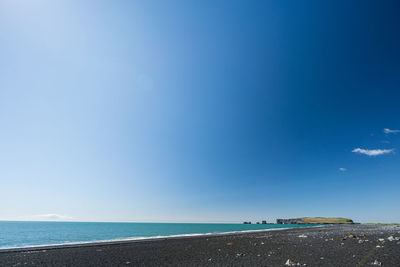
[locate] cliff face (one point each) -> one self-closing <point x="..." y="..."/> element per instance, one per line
<point x="314" y="220"/>
<point x="290" y="221"/>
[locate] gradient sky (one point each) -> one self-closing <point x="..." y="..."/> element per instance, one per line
<point x="199" y="111"/>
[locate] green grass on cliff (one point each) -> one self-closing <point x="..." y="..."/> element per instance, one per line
<point x="322" y="220"/>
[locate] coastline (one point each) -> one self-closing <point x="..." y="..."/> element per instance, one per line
<point x="334" y="245"/>
<point x="141" y="239"/>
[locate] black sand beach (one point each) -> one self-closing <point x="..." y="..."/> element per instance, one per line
<point x="337" y="245"/>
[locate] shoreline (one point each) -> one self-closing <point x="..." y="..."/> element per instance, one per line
<point x="142" y="239"/>
<point x="334" y="245"/>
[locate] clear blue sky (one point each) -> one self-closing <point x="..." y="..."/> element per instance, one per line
<point x="199" y="111"/>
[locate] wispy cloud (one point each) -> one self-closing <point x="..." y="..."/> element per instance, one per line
<point x="342" y="169"/>
<point x="52" y="217"/>
<point x="373" y="152"/>
<point x="389" y="131"/>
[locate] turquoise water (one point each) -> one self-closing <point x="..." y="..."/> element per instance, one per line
<point x="26" y="234"/>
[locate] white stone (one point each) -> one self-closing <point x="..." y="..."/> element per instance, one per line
<point x="291" y="263"/>
<point x="376" y="262"/>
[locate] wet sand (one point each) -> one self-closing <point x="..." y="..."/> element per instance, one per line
<point x="322" y="246"/>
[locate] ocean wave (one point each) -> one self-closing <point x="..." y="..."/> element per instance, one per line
<point x="142" y="238"/>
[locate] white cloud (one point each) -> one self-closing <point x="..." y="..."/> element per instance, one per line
<point x="342" y="169"/>
<point x="51" y="217"/>
<point x="372" y="152"/>
<point x="389" y="131"/>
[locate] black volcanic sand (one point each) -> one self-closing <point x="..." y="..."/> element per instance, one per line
<point x="322" y="246"/>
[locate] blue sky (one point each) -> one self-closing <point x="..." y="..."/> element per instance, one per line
<point x="196" y="111"/>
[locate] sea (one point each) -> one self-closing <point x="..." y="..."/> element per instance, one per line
<point x="18" y="234"/>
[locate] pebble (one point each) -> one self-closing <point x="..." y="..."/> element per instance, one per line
<point x="303" y="236"/>
<point x="352" y="235"/>
<point x="391" y="238"/>
<point x="376" y="262"/>
<point x="291" y="263"/>
<point x="381" y="240"/>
